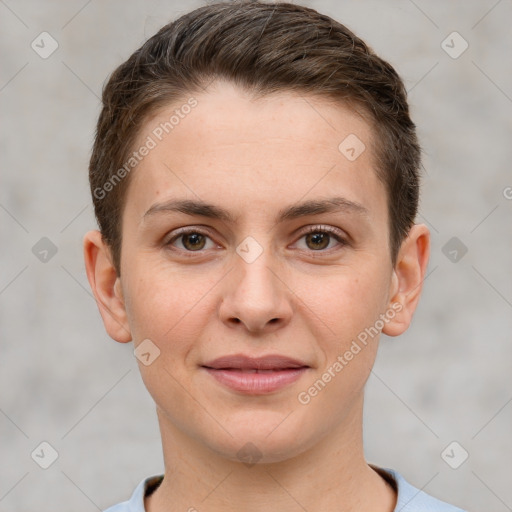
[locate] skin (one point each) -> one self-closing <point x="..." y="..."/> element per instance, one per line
<point x="300" y="298"/>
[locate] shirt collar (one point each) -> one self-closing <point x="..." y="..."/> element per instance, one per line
<point x="407" y="494"/>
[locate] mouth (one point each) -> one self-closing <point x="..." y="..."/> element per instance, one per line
<point x="256" y="376"/>
<point x="241" y="362"/>
<point x="252" y="370"/>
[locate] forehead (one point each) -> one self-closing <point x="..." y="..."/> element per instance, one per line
<point x="251" y="153"/>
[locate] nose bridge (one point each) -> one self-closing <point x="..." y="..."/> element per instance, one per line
<point x="255" y="263"/>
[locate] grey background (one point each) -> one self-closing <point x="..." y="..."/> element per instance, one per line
<point x="63" y="381"/>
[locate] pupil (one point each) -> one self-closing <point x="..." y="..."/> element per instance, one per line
<point x="317" y="238"/>
<point x="195" y="238"/>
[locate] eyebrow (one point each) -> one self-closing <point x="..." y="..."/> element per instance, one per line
<point x="312" y="207"/>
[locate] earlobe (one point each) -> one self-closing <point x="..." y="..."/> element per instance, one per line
<point x="106" y="287"/>
<point x="407" y="280"/>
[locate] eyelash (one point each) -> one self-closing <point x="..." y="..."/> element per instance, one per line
<point x="333" y="232"/>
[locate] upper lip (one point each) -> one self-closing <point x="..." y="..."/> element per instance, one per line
<point x="243" y="362"/>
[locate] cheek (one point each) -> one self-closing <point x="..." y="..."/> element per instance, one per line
<point x="165" y="304"/>
<point x="345" y="303"/>
<point x="168" y="308"/>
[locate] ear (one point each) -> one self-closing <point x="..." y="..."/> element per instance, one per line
<point x="106" y="286"/>
<point x="407" y="279"/>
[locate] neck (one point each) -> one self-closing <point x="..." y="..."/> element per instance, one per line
<point x="331" y="475"/>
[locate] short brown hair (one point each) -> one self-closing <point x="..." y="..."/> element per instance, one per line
<point x="263" y="48"/>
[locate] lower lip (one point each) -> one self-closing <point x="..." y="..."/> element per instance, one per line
<point x="257" y="383"/>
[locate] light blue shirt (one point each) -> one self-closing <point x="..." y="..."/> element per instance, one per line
<point x="410" y="499"/>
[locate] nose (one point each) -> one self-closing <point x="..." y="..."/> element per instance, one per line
<point x="256" y="296"/>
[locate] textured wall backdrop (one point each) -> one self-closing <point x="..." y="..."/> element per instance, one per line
<point x="65" y="383"/>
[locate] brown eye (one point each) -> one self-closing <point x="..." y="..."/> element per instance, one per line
<point x="318" y="240"/>
<point x="193" y="241"/>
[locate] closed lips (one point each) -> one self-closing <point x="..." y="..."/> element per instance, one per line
<point x="248" y="364"/>
<point x="256" y="375"/>
<point x="254" y="370"/>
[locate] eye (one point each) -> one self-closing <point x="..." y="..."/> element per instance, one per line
<point x="193" y="240"/>
<point x="317" y="238"/>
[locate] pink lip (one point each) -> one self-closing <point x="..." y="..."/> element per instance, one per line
<point x="257" y="383"/>
<point x="256" y="376"/>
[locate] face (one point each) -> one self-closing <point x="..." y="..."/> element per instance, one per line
<point x="291" y="259"/>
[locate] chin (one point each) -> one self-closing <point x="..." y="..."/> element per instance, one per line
<point x="263" y="441"/>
